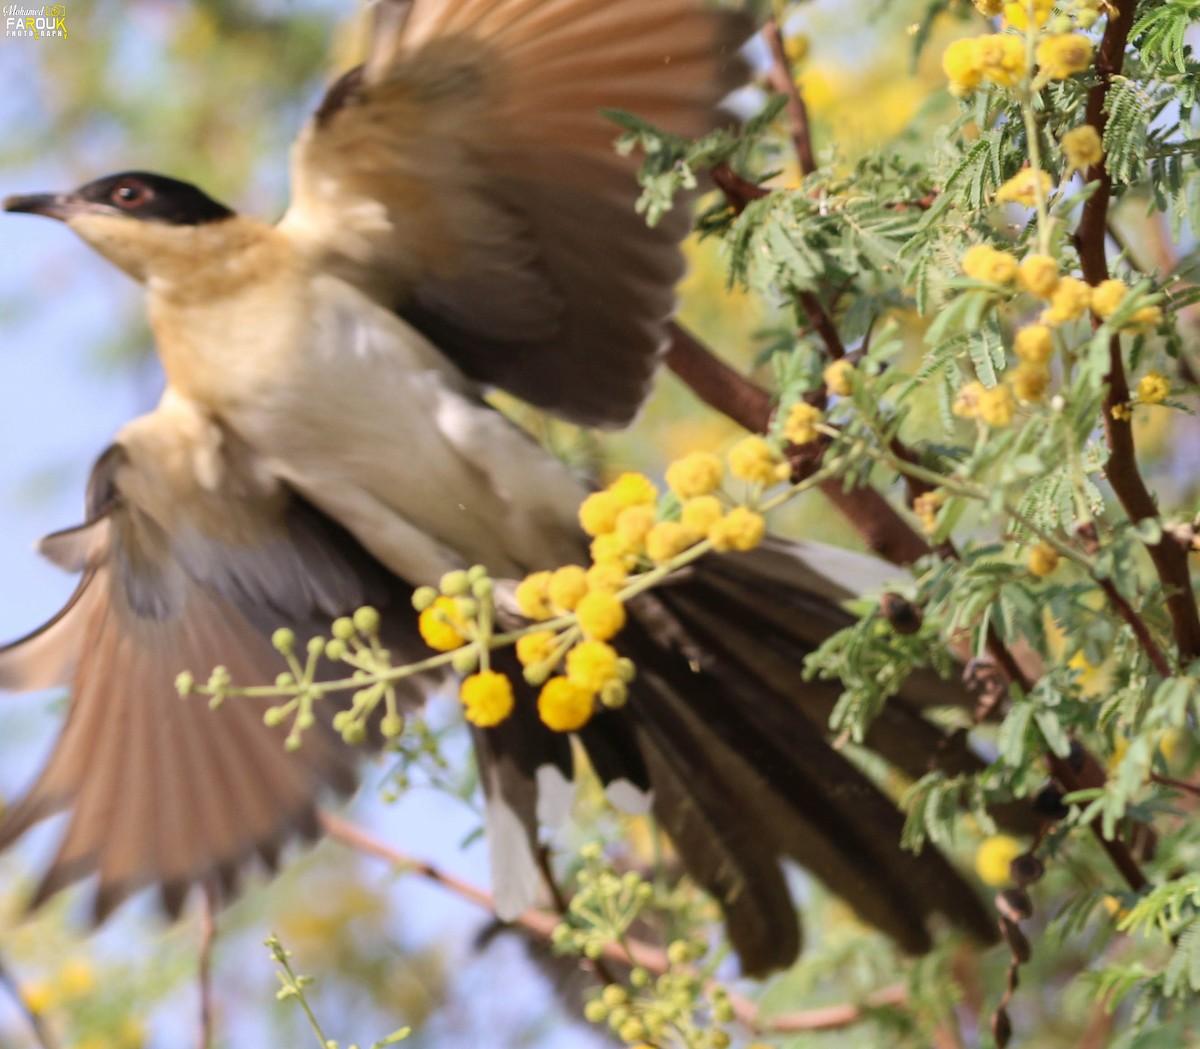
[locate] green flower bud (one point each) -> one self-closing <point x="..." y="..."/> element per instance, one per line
<point x="284" y="640"/>
<point x="476" y="573"/>
<point x="613" y="995"/>
<point x="423" y="597"/>
<point x="284" y="680"/>
<point x="391" y="726"/>
<point x="465" y="660"/>
<point x="343" y="628"/>
<point x="366" y="620"/>
<point x="468" y="607"/>
<point x="595" y="1011"/>
<point x="305" y="720"/>
<point x="354" y="733"/>
<point x="316" y="646"/>
<point x="184" y="683"/>
<point x="1087" y="18"/>
<point x="483" y="589"/>
<point x="292" y="743"/>
<point x="626" y="671"/>
<point x="639" y="977"/>
<point x="614" y="694"/>
<point x="679" y="953"/>
<point x="336" y="649"/>
<point x="273" y="716"/>
<point x="455" y="584"/>
<point x="341" y="719"/>
<point x="536" y="675"/>
<point x="631" y="1030"/>
<point x="1060" y="24"/>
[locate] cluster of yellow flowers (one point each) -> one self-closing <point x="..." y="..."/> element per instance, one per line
<point x="1003" y="58"/>
<point x="926" y="507"/>
<point x="1067" y="299"/>
<point x="993" y="860"/>
<point x="573" y="663"/>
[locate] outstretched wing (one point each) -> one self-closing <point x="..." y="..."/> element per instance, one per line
<point x="465" y="177"/>
<point x="191" y="557"/>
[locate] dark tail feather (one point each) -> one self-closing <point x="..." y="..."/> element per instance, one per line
<point x="723" y="728"/>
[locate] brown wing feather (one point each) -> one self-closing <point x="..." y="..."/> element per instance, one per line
<point x="466" y="178"/>
<point x="198" y="557"/>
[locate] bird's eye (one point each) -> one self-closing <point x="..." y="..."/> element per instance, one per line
<point x="130" y="194"/>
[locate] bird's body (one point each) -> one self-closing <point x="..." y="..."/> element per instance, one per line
<point x="458" y="221"/>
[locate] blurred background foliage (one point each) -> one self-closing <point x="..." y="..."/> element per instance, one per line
<point x="214" y="91"/>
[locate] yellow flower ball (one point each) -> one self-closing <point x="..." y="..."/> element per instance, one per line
<point x="993" y="861"/>
<point x="38" y="996"/>
<point x="695" y="474"/>
<point x="1063" y="54"/>
<point x="563" y="706"/>
<point x="668" y="538"/>
<point x="926" y="507"/>
<point x="609" y="576"/>
<point x="701" y="513"/>
<point x="634" y="523"/>
<point x="1145" y="318"/>
<point x="634" y="489"/>
<point x="566" y="587"/>
<point x="536" y="648"/>
<point x="591" y="665"/>
<point x="802" y="422"/>
<point x="983" y="262"/>
<point x="616" y="549"/>
<point x="1017" y="13"/>
<point x="1038" y="275"/>
<point x="533" y="596"/>
<point x="1034" y="344"/>
<point x="753" y="459"/>
<point x="598" y="513"/>
<point x="1107" y="297"/>
<point x="966" y="401"/>
<point x="600" y="616"/>
<point x="740" y="529"/>
<point x="839" y="378"/>
<point x="1082" y="147"/>
<point x="442" y="626"/>
<point x="1069" y="302"/>
<point x="1029" y="381"/>
<point x="1023" y="187"/>
<point x="76" y="978"/>
<point x="961" y="64"/>
<point x="487" y="698"/>
<point x="1001" y="58"/>
<point x="997" y="406"/>
<point x="1153" y="388"/>
<point x="1043" y="560"/>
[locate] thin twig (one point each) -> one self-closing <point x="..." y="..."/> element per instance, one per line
<point x="783" y="80"/>
<point x="541" y="925"/>
<point x="208" y="938"/>
<point x="37" y="1023"/>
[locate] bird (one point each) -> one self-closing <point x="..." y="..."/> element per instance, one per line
<point x="459" y="223"/>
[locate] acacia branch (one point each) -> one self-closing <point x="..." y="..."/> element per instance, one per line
<point x="783" y="80"/>
<point x="1122" y="471"/>
<point x="541" y="925"/>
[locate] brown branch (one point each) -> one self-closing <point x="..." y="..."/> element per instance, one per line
<point x="825" y="1018"/>
<point x="1122" y="471"/>
<point x="541" y="925"/>
<point x="208" y="938"/>
<point x="724" y="388"/>
<point x="782" y="79"/>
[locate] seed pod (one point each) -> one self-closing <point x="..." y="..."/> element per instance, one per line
<point x="1017" y="942"/>
<point x="1026" y="869"/>
<point x="1001" y="1028"/>
<point x="902" y="614"/>
<point x="1049" y="802"/>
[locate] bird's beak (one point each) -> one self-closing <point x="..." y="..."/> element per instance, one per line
<point x="62" y="206"/>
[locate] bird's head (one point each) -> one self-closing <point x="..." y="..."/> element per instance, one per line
<point x="146" y="224"/>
